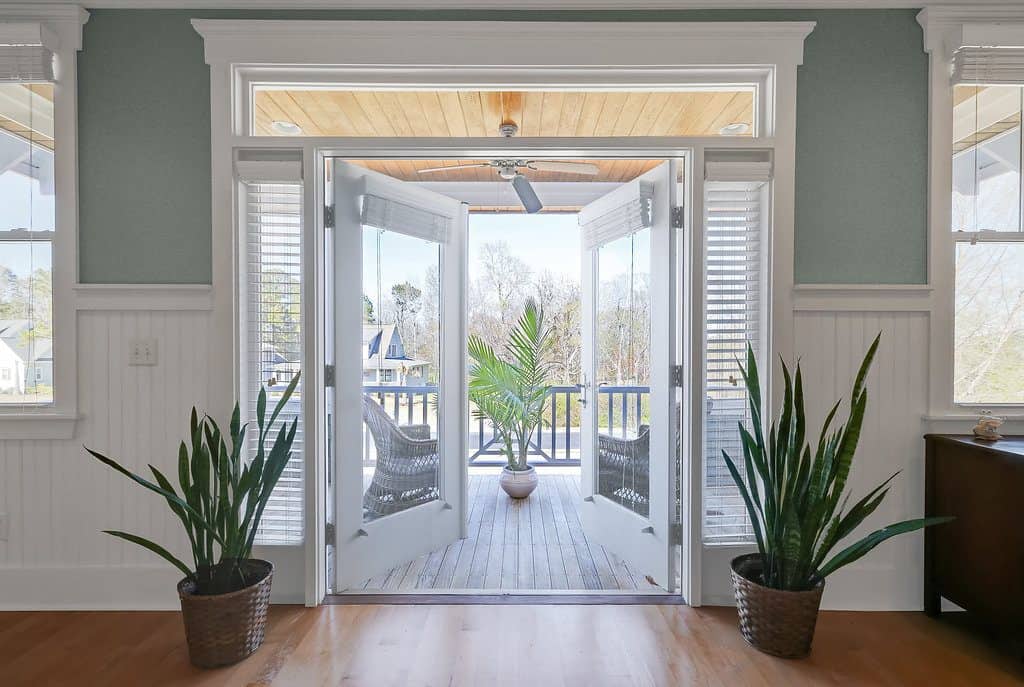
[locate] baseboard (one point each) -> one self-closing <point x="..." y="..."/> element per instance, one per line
<point x="97" y="588"/>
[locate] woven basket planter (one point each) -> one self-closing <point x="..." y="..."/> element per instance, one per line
<point x="222" y="629"/>
<point x="777" y="622"/>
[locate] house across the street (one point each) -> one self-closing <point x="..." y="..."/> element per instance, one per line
<point x="26" y="362"/>
<point x="385" y="361"/>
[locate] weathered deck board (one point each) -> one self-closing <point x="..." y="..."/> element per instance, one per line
<point x="536" y="544"/>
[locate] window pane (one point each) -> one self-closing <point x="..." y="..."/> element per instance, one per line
<point x="319" y="111"/>
<point x="26" y="225"/>
<point x="624" y="370"/>
<point x="987" y="158"/>
<point x="274" y="285"/>
<point x="989" y="361"/>
<point x="733" y="302"/>
<point x="401" y="352"/>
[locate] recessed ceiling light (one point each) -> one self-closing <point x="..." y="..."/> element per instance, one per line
<point x="286" y="128"/>
<point x="734" y="129"/>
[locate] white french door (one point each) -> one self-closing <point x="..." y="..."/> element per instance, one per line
<point x="400" y="391"/>
<point x="629" y="448"/>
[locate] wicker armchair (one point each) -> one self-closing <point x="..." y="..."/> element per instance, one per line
<point x="407" y="463"/>
<point x="624" y="470"/>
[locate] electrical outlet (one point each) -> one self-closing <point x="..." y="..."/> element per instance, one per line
<point x="142" y="352"/>
<point x="3" y="527"/>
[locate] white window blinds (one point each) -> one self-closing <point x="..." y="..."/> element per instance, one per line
<point x="273" y="336"/>
<point x="26" y="52"/>
<point x="391" y="215"/>
<point x="993" y="66"/>
<point x="735" y="221"/>
<point x="620" y="213"/>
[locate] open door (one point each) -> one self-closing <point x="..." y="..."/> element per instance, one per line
<point x="629" y="419"/>
<point x="400" y="390"/>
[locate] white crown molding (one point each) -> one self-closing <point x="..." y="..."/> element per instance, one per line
<point x="213" y="29"/>
<point x="534" y="45"/>
<point x="950" y="27"/>
<point x="582" y="5"/>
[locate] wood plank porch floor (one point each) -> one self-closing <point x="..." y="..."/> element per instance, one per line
<point x="530" y="544"/>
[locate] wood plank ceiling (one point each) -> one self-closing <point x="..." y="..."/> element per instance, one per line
<point x="460" y="114"/>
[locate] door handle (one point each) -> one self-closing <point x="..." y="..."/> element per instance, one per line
<point x="584" y="386"/>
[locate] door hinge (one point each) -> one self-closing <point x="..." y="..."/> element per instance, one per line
<point x="678" y="217"/>
<point x="329" y="375"/>
<point x="676" y="376"/>
<point x="329" y="537"/>
<point x="675" y="533"/>
<point x="329" y="216"/>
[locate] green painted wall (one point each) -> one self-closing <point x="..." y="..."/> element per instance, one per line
<point x="144" y="150"/>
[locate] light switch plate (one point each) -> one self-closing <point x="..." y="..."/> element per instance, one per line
<point x="142" y="352"/>
<point x="4" y="520"/>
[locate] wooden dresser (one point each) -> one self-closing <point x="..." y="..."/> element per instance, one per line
<point x="976" y="561"/>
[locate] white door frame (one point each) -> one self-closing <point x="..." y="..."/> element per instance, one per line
<point x="557" y="55"/>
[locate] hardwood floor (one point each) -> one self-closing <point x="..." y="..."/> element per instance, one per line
<point x="514" y="545"/>
<point x="549" y="646"/>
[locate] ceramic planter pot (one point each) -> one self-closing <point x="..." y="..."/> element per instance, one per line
<point x="777" y="622"/>
<point x="222" y="629"/>
<point x="519" y="483"/>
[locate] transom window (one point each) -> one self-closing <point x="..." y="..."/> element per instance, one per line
<point x="296" y="110"/>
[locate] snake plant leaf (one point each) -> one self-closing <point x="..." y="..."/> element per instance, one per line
<point x="261" y="408"/>
<point x="752" y="512"/>
<point x="860" y="548"/>
<point x="796" y="496"/>
<point x="152" y="487"/>
<point x="283" y="401"/>
<point x="155" y="548"/>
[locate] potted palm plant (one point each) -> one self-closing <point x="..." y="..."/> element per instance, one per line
<point x="797" y="501"/>
<point x="225" y="593"/>
<point x="511" y="393"/>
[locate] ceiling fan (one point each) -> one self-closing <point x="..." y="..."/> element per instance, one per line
<point x="509" y="170"/>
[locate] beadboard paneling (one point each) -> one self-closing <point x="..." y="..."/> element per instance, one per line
<point x="58" y="499"/>
<point x="831" y="346"/>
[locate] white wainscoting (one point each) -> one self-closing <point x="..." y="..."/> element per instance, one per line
<point x="830" y="345"/>
<point x="58" y="499"/>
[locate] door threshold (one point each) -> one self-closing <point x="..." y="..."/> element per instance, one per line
<point x="510" y="598"/>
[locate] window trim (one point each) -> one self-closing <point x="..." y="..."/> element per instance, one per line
<point x="946" y="29"/>
<point x="57" y="420"/>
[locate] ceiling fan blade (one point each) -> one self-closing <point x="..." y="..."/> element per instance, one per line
<point x="448" y="169"/>
<point x="566" y="166"/>
<point x="527" y="196"/>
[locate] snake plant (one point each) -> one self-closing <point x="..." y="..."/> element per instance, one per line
<point x="796" y="497"/>
<point x="512" y="393"/>
<point x="222" y="496"/>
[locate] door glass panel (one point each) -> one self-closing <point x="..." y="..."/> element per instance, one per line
<point x="400" y="350"/>
<point x="623" y="370"/>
